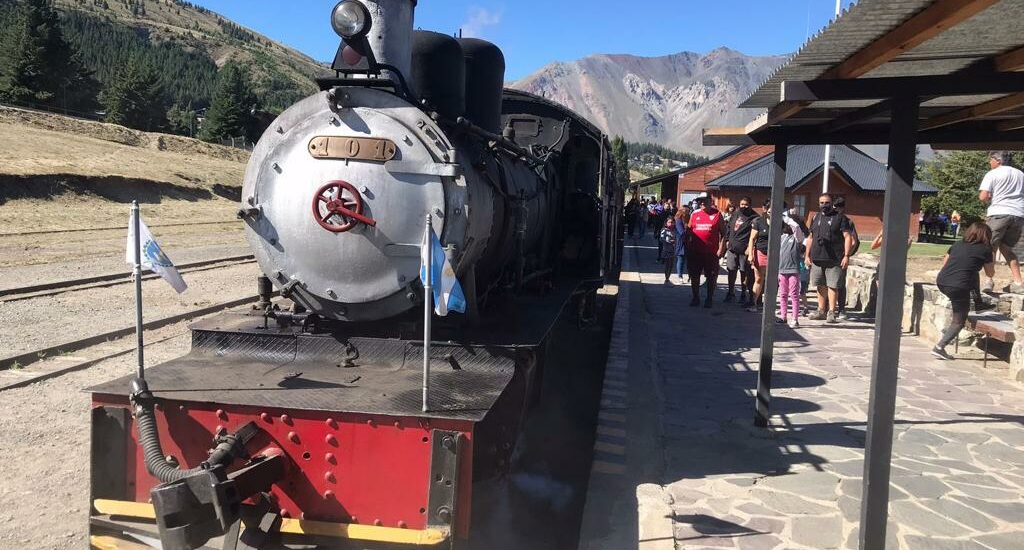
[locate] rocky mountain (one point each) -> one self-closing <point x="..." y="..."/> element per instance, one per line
<point x="666" y="100"/>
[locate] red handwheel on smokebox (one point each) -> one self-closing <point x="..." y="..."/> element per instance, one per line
<point x="338" y="207"/>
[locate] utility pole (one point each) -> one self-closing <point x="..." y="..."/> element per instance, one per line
<point x="828" y="148"/>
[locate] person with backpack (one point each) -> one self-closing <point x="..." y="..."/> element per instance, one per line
<point x="959" y="276"/>
<point x="737" y="237"/>
<point x="841" y="303"/>
<point x="828" y="254"/>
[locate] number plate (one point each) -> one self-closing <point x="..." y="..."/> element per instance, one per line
<point x="336" y="147"/>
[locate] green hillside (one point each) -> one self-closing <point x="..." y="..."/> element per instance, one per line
<point x="185" y="44"/>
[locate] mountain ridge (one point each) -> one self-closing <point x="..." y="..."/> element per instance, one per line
<point x="664" y="99"/>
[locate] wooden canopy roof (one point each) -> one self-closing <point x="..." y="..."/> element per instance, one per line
<point x="962" y="60"/>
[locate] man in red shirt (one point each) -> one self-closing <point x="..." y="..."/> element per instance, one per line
<point x="705" y="246"/>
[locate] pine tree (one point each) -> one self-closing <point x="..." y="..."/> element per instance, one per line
<point x="182" y="120"/>
<point x="956" y="175"/>
<point x="621" y="158"/>
<point x="135" y="98"/>
<point x="231" y="111"/>
<point x="37" y="66"/>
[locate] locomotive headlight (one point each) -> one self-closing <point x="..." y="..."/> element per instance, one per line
<point x="350" y="19"/>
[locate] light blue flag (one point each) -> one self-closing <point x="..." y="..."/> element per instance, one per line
<point x="448" y="294"/>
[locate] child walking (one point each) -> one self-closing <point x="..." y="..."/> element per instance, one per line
<point x="959" y="275"/>
<point x="667" y="238"/>
<point x="791" y="252"/>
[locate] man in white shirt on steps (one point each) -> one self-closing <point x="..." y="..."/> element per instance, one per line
<point x="1003" y="190"/>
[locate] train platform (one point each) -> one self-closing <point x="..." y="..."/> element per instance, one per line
<point x="678" y="462"/>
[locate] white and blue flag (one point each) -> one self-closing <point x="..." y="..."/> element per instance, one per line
<point x="448" y="294"/>
<point x="153" y="257"/>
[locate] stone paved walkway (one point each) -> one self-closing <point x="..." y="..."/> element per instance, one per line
<point x="704" y="477"/>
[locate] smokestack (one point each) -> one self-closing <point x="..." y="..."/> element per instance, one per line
<point x="390" y="36"/>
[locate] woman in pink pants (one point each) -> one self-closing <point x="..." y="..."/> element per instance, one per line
<point x="790" y="253"/>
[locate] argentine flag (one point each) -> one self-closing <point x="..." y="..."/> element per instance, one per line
<point x="448" y="294"/>
<point x="153" y="257"/>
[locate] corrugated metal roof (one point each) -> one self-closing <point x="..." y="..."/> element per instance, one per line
<point x="992" y="31"/>
<point x="806" y="161"/>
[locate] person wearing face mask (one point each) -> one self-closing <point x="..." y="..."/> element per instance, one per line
<point x="828" y="253"/>
<point x="737" y="242"/>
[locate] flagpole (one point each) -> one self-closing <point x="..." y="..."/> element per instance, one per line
<point x="428" y="295"/>
<point x="137" y="272"/>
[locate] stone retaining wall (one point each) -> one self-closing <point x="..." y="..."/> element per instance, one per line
<point x="926" y="311"/>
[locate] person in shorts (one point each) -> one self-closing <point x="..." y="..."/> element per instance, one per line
<point x="737" y="239"/>
<point x="1003" y="190"/>
<point x="705" y="246"/>
<point x="757" y="255"/>
<point x="828" y="254"/>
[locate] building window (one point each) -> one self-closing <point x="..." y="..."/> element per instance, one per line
<point x="800" y="204"/>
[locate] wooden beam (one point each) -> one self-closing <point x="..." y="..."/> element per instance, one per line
<point x="995" y="106"/>
<point x="860" y="115"/>
<point x="1010" y="61"/>
<point x="929" y="23"/>
<point x="1012" y="124"/>
<point x="866" y="135"/>
<point x="886" y="87"/>
<point x="777" y="113"/>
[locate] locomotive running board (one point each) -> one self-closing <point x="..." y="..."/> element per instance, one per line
<point x="289" y="526"/>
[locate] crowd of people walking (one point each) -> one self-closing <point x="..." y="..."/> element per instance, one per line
<point x="696" y="240"/>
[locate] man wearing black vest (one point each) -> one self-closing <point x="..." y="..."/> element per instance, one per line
<point x="828" y="254"/>
<point x="738" y="239"/>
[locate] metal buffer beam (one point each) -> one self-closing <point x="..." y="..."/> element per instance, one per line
<point x="771" y="290"/>
<point x="888" y="324"/>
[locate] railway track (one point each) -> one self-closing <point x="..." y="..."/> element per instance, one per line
<point x="111" y="279"/>
<point x="112" y="228"/>
<point x="12" y="374"/>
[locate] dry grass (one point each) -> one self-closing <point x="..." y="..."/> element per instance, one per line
<point x="63" y="173"/>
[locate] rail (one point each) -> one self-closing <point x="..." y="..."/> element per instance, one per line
<point x="110" y="279"/>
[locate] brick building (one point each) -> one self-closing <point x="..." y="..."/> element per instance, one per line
<point x="748" y="171"/>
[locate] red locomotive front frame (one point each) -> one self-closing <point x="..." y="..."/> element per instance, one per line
<point x="342" y="467"/>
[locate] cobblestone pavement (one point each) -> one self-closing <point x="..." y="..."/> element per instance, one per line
<point x="958" y="457"/>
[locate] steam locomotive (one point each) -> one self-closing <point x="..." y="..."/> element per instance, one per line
<point x="299" y="421"/>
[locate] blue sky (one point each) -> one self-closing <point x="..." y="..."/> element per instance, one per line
<point x="533" y="33"/>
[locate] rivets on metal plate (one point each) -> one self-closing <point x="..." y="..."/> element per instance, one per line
<point x="370" y="422"/>
<point x="221" y="414"/>
<point x="331" y="440"/>
<point x="265" y="417"/>
<point x="331" y="424"/>
<point x="402" y="524"/>
<point x="293" y="437"/>
<point x="328" y="494"/>
<point x="286" y="419"/>
<point x="329" y="477"/>
<point x="378" y="522"/>
<point x="329" y="457"/>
